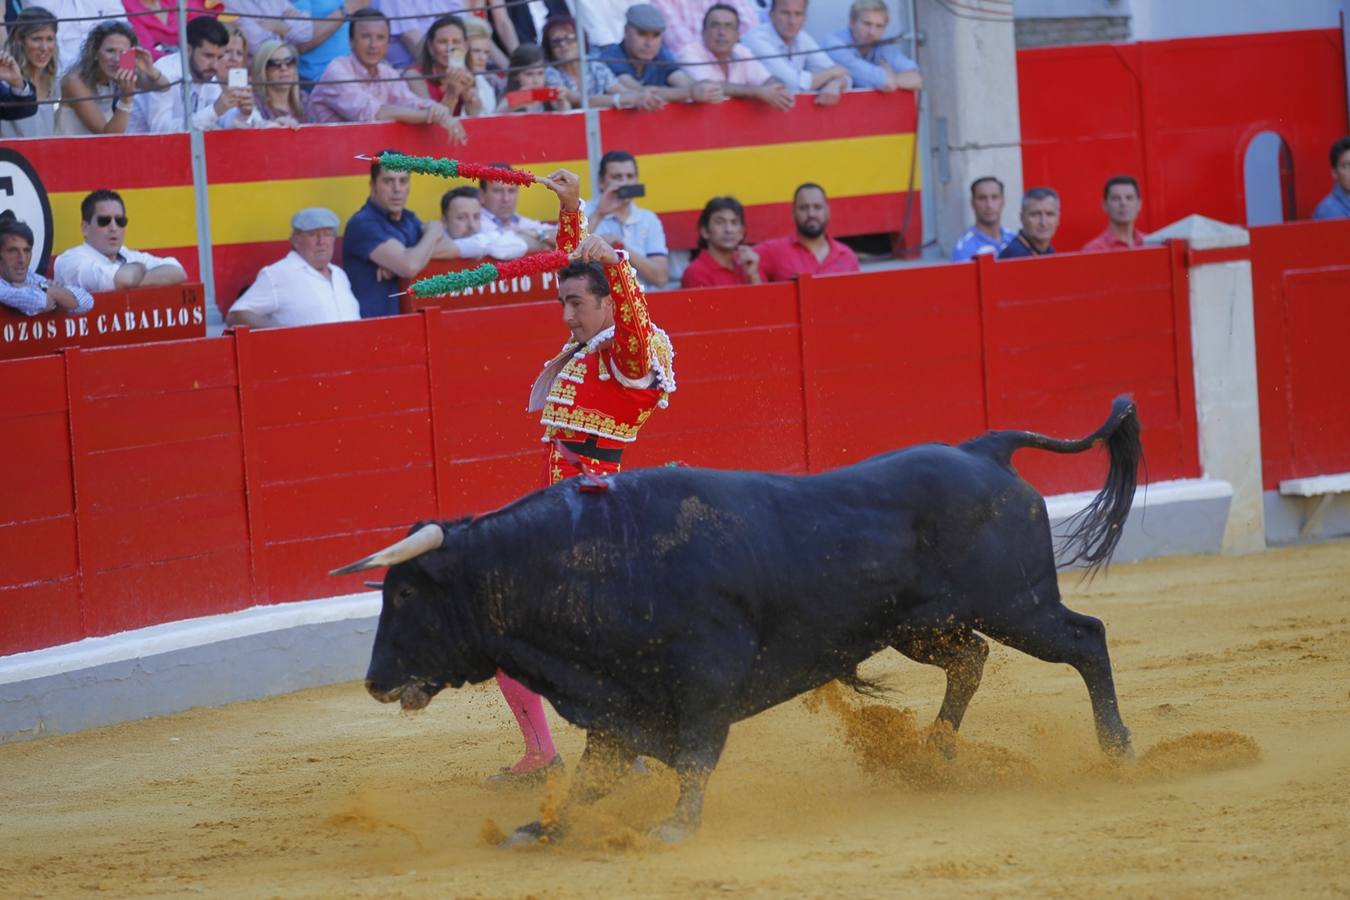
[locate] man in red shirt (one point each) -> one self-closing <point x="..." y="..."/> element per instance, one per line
<point x="1122" y="202"/>
<point x="722" y="260"/>
<point x="810" y="250"/>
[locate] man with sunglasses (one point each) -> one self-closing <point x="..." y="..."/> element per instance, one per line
<point x="102" y="262"/>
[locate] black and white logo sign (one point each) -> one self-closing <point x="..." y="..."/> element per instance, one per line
<point x="22" y="193"/>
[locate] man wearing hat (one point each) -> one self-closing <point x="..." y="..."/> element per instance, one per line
<point x="304" y="287"/>
<point x="642" y="63"/>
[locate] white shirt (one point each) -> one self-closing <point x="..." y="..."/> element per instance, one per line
<point x="794" y="70"/>
<point x="84" y="266"/>
<point x="496" y="244"/>
<point x="517" y="222"/>
<point x="605" y="20"/>
<point x="293" y="292"/>
<point x="163" y="110"/>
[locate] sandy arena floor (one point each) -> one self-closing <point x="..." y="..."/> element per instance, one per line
<point x="1231" y="671"/>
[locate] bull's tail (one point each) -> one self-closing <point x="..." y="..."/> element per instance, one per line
<point x="1093" y="532"/>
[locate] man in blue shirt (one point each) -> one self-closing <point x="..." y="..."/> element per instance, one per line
<point x="641" y="63"/>
<point x="1336" y="205"/>
<point x="1040" y="220"/>
<point x="26" y="291"/>
<point x="385" y="241"/>
<point x="987" y="235"/>
<point x="870" y="63"/>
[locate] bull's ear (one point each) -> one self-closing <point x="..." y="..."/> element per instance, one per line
<point x="425" y="539"/>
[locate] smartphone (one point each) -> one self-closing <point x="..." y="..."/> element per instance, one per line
<point x="238" y="78"/>
<point x="457" y="59"/>
<point x="629" y="191"/>
<point x="127" y="61"/>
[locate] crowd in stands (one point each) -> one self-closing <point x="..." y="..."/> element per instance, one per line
<point x="101" y="67"/>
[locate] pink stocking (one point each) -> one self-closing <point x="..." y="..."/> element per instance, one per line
<point x="528" y="708"/>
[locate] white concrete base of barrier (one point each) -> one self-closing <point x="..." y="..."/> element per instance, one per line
<point x="1293" y="520"/>
<point x="269" y="650"/>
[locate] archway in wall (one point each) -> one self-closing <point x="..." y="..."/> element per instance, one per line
<point x="1268" y="179"/>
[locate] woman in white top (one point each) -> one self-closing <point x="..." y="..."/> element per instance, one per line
<point x="479" y="35"/>
<point x="32" y="42"/>
<point x="96" y="92"/>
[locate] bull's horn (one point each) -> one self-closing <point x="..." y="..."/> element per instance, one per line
<point x="423" y="540"/>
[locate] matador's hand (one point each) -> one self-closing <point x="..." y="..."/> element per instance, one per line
<point x="566" y="185"/>
<point x="595" y="249"/>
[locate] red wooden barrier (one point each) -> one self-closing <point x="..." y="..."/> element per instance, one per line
<point x="1301" y="299"/>
<point x="1177" y="115"/>
<point x="137" y="316"/>
<point x="179" y="479"/>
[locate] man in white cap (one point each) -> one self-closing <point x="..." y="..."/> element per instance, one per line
<point x="304" y="287"/>
<point x="641" y="63"/>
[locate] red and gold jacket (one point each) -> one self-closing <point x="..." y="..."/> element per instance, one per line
<point x="596" y="396"/>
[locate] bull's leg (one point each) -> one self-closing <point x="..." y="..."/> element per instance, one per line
<point x="603" y="763"/>
<point x="961" y="654"/>
<point x="689" y="808"/>
<point x="1050" y="631"/>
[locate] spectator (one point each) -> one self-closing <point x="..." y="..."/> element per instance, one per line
<point x="987" y="235"/>
<point x="620" y="219"/>
<point x="236" y="56"/>
<point x="563" y="54"/>
<point x="303" y="287"/>
<point x="494" y="15"/>
<point x="441" y="64"/>
<point x="27" y="291"/>
<point x="96" y="93"/>
<point x="1121" y="200"/>
<point x="793" y="56"/>
<point x="605" y="21"/>
<point x="332" y="34"/>
<point x="462" y="217"/>
<point x="528" y="18"/>
<point x="479" y="36"/>
<point x="722" y="59"/>
<point x="1336" y="205"/>
<point x="722" y="258"/>
<point x="527" y="73"/>
<point x="353" y="88"/>
<point x="276" y="84"/>
<point x="640" y="61"/>
<point x="156" y="23"/>
<point x="685" y="20"/>
<point x="84" y="16"/>
<point x="1040" y="218"/>
<point x="499" y="201"/>
<point x="385" y="241"/>
<point x="208" y="41"/>
<point x="810" y="250"/>
<point x="871" y="63"/>
<point x="17" y="99"/>
<point x="265" y="20"/>
<point x="103" y="262"/>
<point x="32" y="43"/>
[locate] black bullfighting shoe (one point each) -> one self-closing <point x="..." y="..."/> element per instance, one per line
<point x="508" y="778"/>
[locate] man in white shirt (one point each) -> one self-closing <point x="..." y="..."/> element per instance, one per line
<point x="462" y="216"/>
<point x="499" y="201"/>
<point x="793" y="56"/>
<point x="162" y="112"/>
<point x="103" y="262"/>
<point x="303" y="287"/>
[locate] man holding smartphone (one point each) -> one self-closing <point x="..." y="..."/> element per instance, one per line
<point x="616" y="217"/>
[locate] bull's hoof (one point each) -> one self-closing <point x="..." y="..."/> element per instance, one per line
<point x="943" y="740"/>
<point x="1118" y="746"/>
<point x="531" y="834"/>
<point x="673" y="831"/>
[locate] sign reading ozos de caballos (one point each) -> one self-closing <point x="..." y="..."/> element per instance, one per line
<point x="168" y="313"/>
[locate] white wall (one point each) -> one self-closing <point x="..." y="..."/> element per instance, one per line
<point x="1152" y="20"/>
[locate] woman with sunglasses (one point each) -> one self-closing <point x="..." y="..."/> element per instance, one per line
<point x="276" y="84"/>
<point x="562" y="51"/>
<point x="32" y="45"/>
<point x="97" y="92"/>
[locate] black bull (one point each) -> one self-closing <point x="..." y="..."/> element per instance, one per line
<point x="657" y="613"/>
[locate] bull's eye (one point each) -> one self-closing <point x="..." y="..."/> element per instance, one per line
<point x="399" y="596"/>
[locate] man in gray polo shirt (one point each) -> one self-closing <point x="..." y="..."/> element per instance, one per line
<point x="620" y="219"/>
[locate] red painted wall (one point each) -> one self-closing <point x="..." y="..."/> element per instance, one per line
<point x="1177" y="115"/>
<point x="194" y="477"/>
<point x="1301" y="301"/>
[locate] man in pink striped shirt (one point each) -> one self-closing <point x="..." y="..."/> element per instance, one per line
<point x="362" y="87"/>
<point x="684" y="20"/>
<point x="720" y="57"/>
